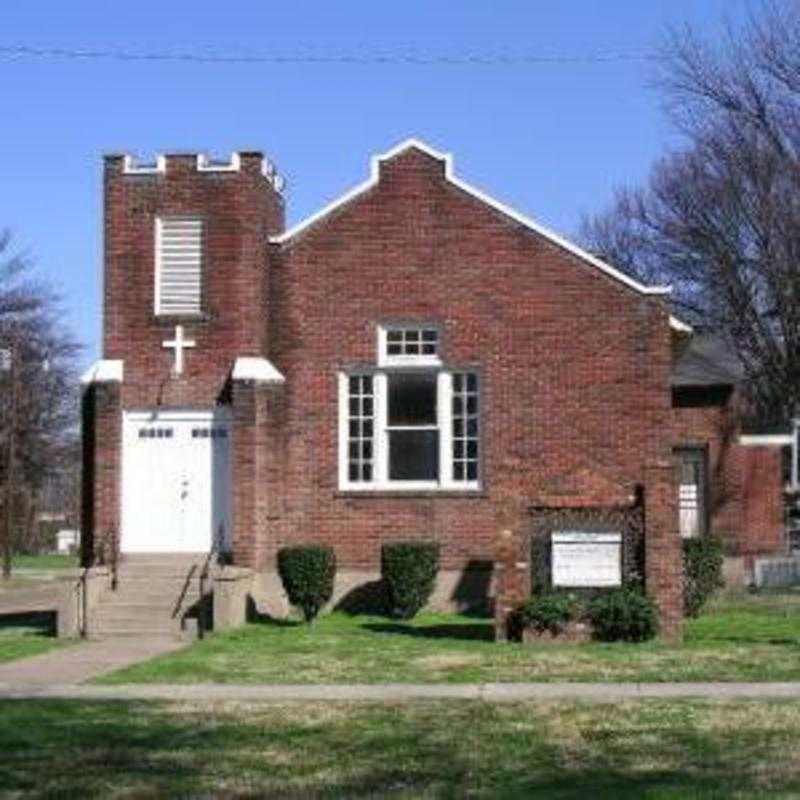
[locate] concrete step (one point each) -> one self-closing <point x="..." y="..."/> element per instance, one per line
<point x="164" y="563"/>
<point x="138" y="633"/>
<point x="158" y="584"/>
<point x="163" y="622"/>
<point x="153" y="576"/>
<point x="162" y="558"/>
<point x="154" y="591"/>
<point x="155" y="600"/>
<point x="129" y="629"/>
<point x="148" y="618"/>
<point x="141" y="609"/>
<point x="143" y="612"/>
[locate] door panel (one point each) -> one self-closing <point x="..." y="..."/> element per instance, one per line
<point x="175" y="480"/>
<point x="692" y="491"/>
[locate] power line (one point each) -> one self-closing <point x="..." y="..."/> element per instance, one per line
<point x="412" y="59"/>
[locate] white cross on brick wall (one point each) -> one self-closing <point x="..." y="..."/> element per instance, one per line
<point x="178" y="344"/>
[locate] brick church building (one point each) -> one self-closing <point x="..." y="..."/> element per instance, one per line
<point x="415" y="360"/>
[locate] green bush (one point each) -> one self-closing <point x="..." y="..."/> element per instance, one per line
<point x="547" y="612"/>
<point x="307" y="572"/>
<point x="409" y="572"/>
<point x="625" y="615"/>
<point x="702" y="572"/>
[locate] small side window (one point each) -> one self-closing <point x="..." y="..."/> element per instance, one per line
<point x="409" y="345"/>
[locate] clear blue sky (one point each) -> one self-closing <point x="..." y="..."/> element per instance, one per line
<point x="552" y="140"/>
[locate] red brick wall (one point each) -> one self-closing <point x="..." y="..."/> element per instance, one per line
<point x="761" y="487"/>
<point x="100" y="489"/>
<point x="574" y="365"/>
<point x="240" y="210"/>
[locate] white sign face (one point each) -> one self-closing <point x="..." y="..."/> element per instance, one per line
<point x="586" y="559"/>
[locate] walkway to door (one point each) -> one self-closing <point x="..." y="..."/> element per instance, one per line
<point x="81" y="661"/>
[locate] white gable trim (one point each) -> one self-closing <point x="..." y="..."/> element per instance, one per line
<point x="247" y="368"/>
<point x="766" y="439"/>
<point x="477" y="193"/>
<point x="103" y="371"/>
<point x="679" y="325"/>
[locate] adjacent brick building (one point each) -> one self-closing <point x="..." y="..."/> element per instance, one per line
<point x="414" y="361"/>
<point x="739" y="479"/>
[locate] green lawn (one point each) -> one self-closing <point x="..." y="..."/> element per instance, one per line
<point x="37" y="572"/>
<point x="747" y="637"/>
<point x="26" y="635"/>
<point x="45" y="561"/>
<point x="635" y="749"/>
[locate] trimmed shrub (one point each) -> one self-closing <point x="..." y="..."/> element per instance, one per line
<point x="307" y="573"/>
<point x="623" y="615"/>
<point x="547" y="612"/>
<point x="702" y="572"/>
<point x="409" y="570"/>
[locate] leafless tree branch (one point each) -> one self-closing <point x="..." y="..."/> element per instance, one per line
<point x="719" y="218"/>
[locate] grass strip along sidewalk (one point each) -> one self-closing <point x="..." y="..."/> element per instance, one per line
<point x="630" y="749"/>
<point x="743" y="638"/>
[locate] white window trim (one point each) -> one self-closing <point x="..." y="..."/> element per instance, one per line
<point x="380" y="478"/>
<point x="157" y="248"/>
<point x="385" y="360"/>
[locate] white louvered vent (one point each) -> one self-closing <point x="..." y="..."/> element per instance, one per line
<point x="179" y="265"/>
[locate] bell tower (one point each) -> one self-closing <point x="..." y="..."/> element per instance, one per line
<point x="186" y="285"/>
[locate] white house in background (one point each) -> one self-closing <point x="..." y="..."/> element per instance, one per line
<point x="67" y="541"/>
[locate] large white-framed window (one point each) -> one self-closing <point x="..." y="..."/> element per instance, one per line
<point x="410" y="426"/>
<point x="179" y="266"/>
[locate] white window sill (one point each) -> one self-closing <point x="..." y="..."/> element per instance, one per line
<point x="411" y="487"/>
<point x="179" y="314"/>
<point x="410" y="361"/>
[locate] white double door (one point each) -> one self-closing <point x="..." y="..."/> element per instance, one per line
<point x="175" y="481"/>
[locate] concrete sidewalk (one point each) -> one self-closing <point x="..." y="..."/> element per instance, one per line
<point x="81" y="661"/>
<point x="495" y="692"/>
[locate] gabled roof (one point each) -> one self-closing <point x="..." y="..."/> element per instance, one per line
<point x="512" y="214"/>
<point x="707" y="361"/>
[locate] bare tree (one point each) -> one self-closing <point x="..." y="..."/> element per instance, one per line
<point x="39" y="391"/>
<point x="719" y="219"/>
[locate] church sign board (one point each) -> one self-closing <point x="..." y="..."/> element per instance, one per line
<point x="586" y="560"/>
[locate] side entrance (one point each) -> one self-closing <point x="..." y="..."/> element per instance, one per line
<point x="176" y="481"/>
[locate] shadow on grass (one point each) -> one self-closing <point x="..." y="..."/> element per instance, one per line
<point x="744" y="641"/>
<point x="367" y="598"/>
<point x="72" y="749"/>
<point x="257" y="617"/>
<point x="478" y="632"/>
<point x="43" y="623"/>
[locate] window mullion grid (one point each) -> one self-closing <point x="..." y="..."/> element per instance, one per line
<point x="357" y="431"/>
<point x="444" y="414"/>
<point x="380" y="386"/>
<point x="466" y="428"/>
